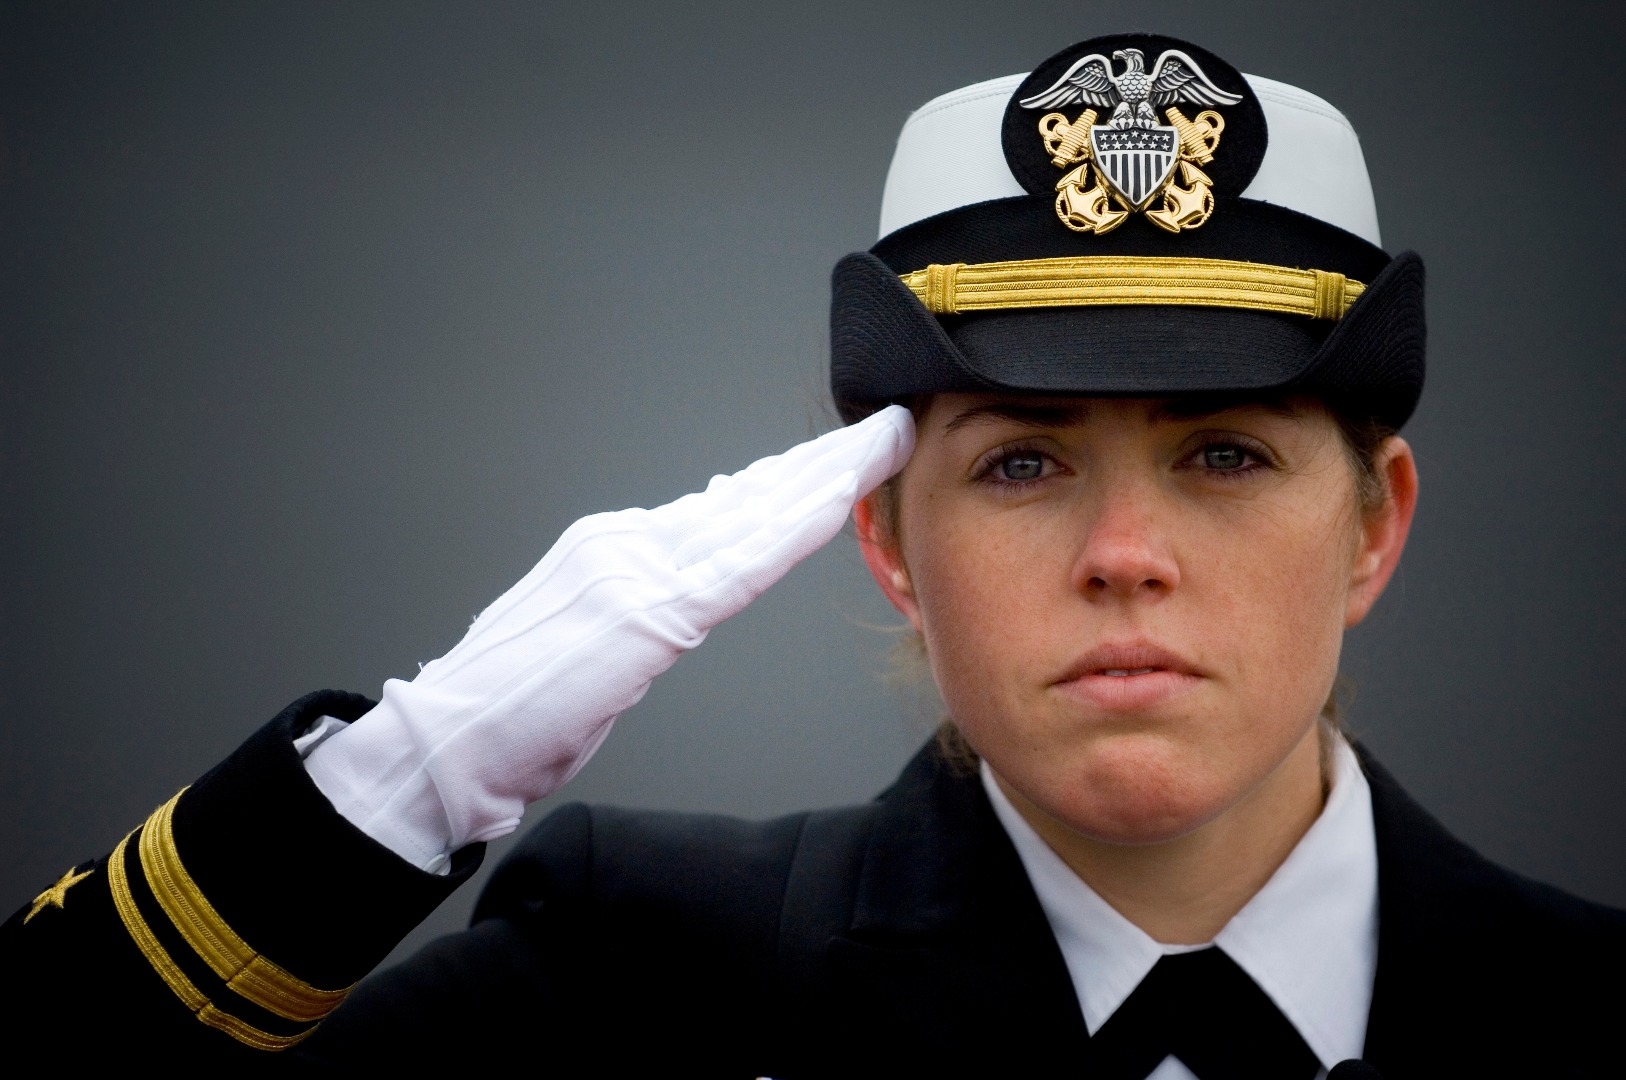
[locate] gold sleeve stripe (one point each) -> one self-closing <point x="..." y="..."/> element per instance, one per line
<point x="951" y="288"/>
<point x="193" y="998"/>
<point x="229" y="956"/>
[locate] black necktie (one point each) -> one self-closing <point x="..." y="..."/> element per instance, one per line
<point x="1206" y="1011"/>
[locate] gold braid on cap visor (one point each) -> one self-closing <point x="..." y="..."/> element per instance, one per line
<point x="952" y="288"/>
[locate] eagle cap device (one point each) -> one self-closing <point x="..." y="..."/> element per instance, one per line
<point x="1124" y="139"/>
<point x="1133" y="217"/>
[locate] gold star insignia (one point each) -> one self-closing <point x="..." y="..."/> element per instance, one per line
<point x="56" y="894"/>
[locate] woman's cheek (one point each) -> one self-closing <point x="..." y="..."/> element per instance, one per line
<point x="1291" y="605"/>
<point x="978" y="584"/>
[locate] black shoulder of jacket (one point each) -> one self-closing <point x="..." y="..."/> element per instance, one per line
<point x="863" y="940"/>
<point x="715" y="877"/>
<point x="656" y="938"/>
<point x="1480" y="967"/>
<point x="245" y="902"/>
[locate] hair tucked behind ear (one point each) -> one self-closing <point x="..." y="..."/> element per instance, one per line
<point x="1363" y="436"/>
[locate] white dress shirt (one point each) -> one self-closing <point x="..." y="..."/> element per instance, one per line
<point x="1309" y="937"/>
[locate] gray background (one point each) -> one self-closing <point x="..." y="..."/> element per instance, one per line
<point x="319" y="322"/>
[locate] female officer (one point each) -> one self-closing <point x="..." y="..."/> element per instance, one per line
<point x="1152" y="361"/>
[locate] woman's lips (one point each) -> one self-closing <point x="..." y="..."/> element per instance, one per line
<point x="1129" y="676"/>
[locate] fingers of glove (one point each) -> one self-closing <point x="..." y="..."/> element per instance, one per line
<point x="597" y="547"/>
<point x="631" y="557"/>
<point x="633" y="593"/>
<point x="880" y="447"/>
<point x="890" y="449"/>
<point x="878" y="443"/>
<point x="756" y="549"/>
<point x="730" y="578"/>
<point x="731" y="508"/>
<point x="578" y="607"/>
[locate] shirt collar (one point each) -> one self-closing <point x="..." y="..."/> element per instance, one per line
<point x="1309" y="937"/>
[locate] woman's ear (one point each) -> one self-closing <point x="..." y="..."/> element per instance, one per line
<point x="1383" y="531"/>
<point x="883" y="557"/>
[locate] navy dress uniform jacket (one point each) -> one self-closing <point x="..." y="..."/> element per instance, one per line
<point x="898" y="936"/>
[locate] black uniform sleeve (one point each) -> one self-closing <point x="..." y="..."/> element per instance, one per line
<point x="225" y="926"/>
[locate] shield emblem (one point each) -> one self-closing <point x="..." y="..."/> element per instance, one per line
<point x="1135" y="161"/>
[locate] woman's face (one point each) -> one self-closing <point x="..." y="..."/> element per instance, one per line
<point x="1134" y="608"/>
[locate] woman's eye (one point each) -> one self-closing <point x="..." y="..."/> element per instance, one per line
<point x="1228" y="457"/>
<point x="1224" y="456"/>
<point x="1020" y="467"/>
<point x="1015" y="467"/>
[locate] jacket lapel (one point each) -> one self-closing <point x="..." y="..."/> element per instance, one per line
<point x="910" y="925"/>
<point x="1439" y="1000"/>
<point x="945" y="939"/>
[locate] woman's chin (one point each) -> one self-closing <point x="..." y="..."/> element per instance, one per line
<point x="1136" y="798"/>
<point x="1137" y="826"/>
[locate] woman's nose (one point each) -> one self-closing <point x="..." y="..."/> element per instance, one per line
<point x="1126" y="553"/>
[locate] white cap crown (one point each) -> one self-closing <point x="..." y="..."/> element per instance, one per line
<point x="950" y="154"/>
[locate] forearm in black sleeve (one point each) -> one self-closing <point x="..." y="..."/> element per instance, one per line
<point x="225" y="926"/>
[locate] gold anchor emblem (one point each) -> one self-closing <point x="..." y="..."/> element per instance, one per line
<point x="1185" y="207"/>
<point x="1086" y="211"/>
<point x="1089" y="207"/>
<point x="1131" y="163"/>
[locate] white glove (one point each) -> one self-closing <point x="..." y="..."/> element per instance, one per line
<point x="521" y="703"/>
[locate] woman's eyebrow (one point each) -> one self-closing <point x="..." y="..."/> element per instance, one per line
<point x="1031" y="414"/>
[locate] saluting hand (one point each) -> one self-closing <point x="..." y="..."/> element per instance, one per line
<point x="521" y="703"/>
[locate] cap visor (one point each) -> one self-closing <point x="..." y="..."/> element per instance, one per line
<point x="1136" y="350"/>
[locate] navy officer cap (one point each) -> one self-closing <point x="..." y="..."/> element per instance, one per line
<point x="1132" y="217"/>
